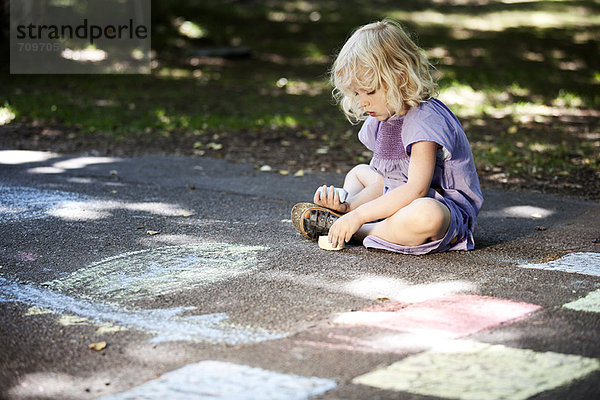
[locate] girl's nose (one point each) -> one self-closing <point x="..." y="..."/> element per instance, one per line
<point x="364" y="102"/>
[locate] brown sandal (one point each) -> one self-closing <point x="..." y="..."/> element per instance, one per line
<point x="317" y="223"/>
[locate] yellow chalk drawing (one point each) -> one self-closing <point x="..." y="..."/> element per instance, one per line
<point x="148" y="273"/>
<point x="589" y="303"/>
<point x="34" y="310"/>
<point x="480" y="371"/>
<point x="71" y="320"/>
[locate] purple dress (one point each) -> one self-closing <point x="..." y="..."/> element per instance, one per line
<point x="454" y="183"/>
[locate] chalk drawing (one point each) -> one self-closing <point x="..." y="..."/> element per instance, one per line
<point x="578" y="263"/>
<point x="19" y="203"/>
<point x="217" y="380"/>
<point x="148" y="273"/>
<point x="589" y="303"/>
<point x="25" y="256"/>
<point x="479" y="371"/>
<point x="448" y="317"/>
<point x="374" y="286"/>
<point x="396" y="343"/>
<point x="166" y="324"/>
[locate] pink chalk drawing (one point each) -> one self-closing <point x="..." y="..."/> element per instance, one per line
<point x="25" y="256"/>
<point x="448" y="317"/>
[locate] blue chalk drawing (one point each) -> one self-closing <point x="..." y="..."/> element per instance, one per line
<point x="216" y="380"/>
<point x="586" y="263"/>
<point x="166" y="324"/>
<point x="147" y="273"/>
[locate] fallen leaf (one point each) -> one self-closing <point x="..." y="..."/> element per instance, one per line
<point x="152" y="232"/>
<point x="187" y="214"/>
<point x="97" y="346"/>
<point x="214" y="146"/>
<point x="284" y="172"/>
<point x="383" y="298"/>
<point x="299" y="173"/>
<point x="266" y="168"/>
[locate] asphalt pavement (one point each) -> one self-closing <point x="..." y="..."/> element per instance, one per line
<point x="183" y="278"/>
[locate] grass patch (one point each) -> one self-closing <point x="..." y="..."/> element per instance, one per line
<point x="523" y="77"/>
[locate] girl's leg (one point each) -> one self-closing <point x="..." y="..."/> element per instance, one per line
<point x="363" y="184"/>
<point x="423" y="220"/>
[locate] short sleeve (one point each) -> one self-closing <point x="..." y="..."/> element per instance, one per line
<point x="430" y="122"/>
<point x="368" y="133"/>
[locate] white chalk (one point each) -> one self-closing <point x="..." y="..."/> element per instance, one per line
<point x="342" y="193"/>
<point x="325" y="245"/>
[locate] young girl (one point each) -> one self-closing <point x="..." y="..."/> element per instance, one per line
<point x="420" y="194"/>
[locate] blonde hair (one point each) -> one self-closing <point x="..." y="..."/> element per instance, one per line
<point x="378" y="56"/>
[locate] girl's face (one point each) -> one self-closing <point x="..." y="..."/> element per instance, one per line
<point x="374" y="103"/>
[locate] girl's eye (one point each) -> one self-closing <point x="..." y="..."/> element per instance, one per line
<point x="371" y="93"/>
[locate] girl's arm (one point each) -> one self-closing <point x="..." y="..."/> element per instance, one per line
<point x="420" y="173"/>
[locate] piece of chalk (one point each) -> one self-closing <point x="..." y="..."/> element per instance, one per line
<point x="325" y="245"/>
<point x="342" y="193"/>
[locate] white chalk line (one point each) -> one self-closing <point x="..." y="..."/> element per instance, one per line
<point x="166" y="324"/>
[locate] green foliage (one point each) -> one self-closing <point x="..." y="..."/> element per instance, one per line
<point x="522" y="76"/>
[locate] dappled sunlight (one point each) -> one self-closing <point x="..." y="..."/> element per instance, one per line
<point x="22" y="203"/>
<point x="73" y="163"/>
<point x="496" y="21"/>
<point x="467" y="102"/>
<point x="526" y="211"/>
<point x="16" y="157"/>
<point x="98" y="209"/>
<point x="82" y="162"/>
<point x="6" y="115"/>
<point x="56" y="385"/>
<point x="464" y="100"/>
<point x="300" y="87"/>
<point x="189" y="29"/>
<point x="85" y="55"/>
<point x="372" y="287"/>
<point x="388" y="342"/>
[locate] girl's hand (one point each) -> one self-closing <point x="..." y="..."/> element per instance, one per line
<point x="344" y="228"/>
<point x="330" y="200"/>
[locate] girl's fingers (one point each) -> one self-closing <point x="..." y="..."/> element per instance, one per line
<point x="335" y="197"/>
<point x="319" y="197"/>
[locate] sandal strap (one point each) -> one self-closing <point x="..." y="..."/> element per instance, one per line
<point x="319" y="222"/>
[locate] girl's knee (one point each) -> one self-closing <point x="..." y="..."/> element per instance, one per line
<point x="367" y="175"/>
<point x="426" y="216"/>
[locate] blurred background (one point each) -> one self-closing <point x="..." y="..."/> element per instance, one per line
<point x="247" y="80"/>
